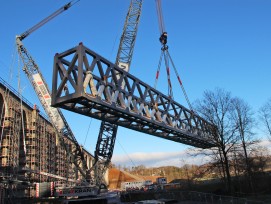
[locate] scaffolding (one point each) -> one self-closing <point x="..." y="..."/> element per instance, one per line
<point x="30" y="151"/>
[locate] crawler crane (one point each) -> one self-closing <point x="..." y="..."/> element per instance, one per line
<point x="107" y="135"/>
<point x="56" y="117"/>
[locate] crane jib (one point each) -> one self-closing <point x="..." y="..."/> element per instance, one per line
<point x="44" y="21"/>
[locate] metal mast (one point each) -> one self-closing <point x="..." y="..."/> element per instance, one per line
<point x="41" y="88"/>
<point x="108" y="131"/>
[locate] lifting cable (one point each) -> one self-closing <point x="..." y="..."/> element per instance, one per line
<point x="127" y="154"/>
<point x="87" y="132"/>
<point x="167" y="58"/>
<point x="162" y="27"/>
<point x="6" y="96"/>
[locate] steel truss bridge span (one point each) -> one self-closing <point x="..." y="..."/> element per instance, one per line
<point x="86" y="83"/>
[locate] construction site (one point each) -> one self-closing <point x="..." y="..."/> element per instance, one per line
<point x="41" y="160"/>
<point x="40" y="156"/>
<point x="33" y="161"/>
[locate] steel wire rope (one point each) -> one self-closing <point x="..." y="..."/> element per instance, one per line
<point x="158" y="69"/>
<point x="161" y="23"/>
<point x="7" y="92"/>
<point x="120" y="29"/>
<point x="87" y="131"/>
<point x="113" y="47"/>
<point x="126" y="153"/>
<point x="179" y="79"/>
<point x="167" y="57"/>
<point x="15" y="125"/>
<point x="170" y="91"/>
<point x="4" y="70"/>
<point x="129" y="157"/>
<point x="163" y="55"/>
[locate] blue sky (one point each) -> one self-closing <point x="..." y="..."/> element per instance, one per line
<point x="224" y="44"/>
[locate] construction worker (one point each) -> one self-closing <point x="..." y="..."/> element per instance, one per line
<point x="163" y="38"/>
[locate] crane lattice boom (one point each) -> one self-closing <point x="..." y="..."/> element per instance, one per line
<point x="41" y="88"/>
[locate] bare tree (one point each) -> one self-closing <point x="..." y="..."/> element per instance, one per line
<point x="216" y="107"/>
<point x="265" y="115"/>
<point x="242" y="116"/>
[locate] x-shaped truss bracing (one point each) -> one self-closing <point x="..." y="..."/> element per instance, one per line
<point x="86" y="83"/>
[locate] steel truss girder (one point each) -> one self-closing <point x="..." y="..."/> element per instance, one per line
<point x="86" y="83"/>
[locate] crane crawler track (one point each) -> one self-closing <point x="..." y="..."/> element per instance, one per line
<point x="86" y="83"/>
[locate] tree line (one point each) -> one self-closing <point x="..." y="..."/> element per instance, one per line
<point x="238" y="151"/>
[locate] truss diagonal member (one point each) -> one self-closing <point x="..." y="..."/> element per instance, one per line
<point x="124" y="100"/>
